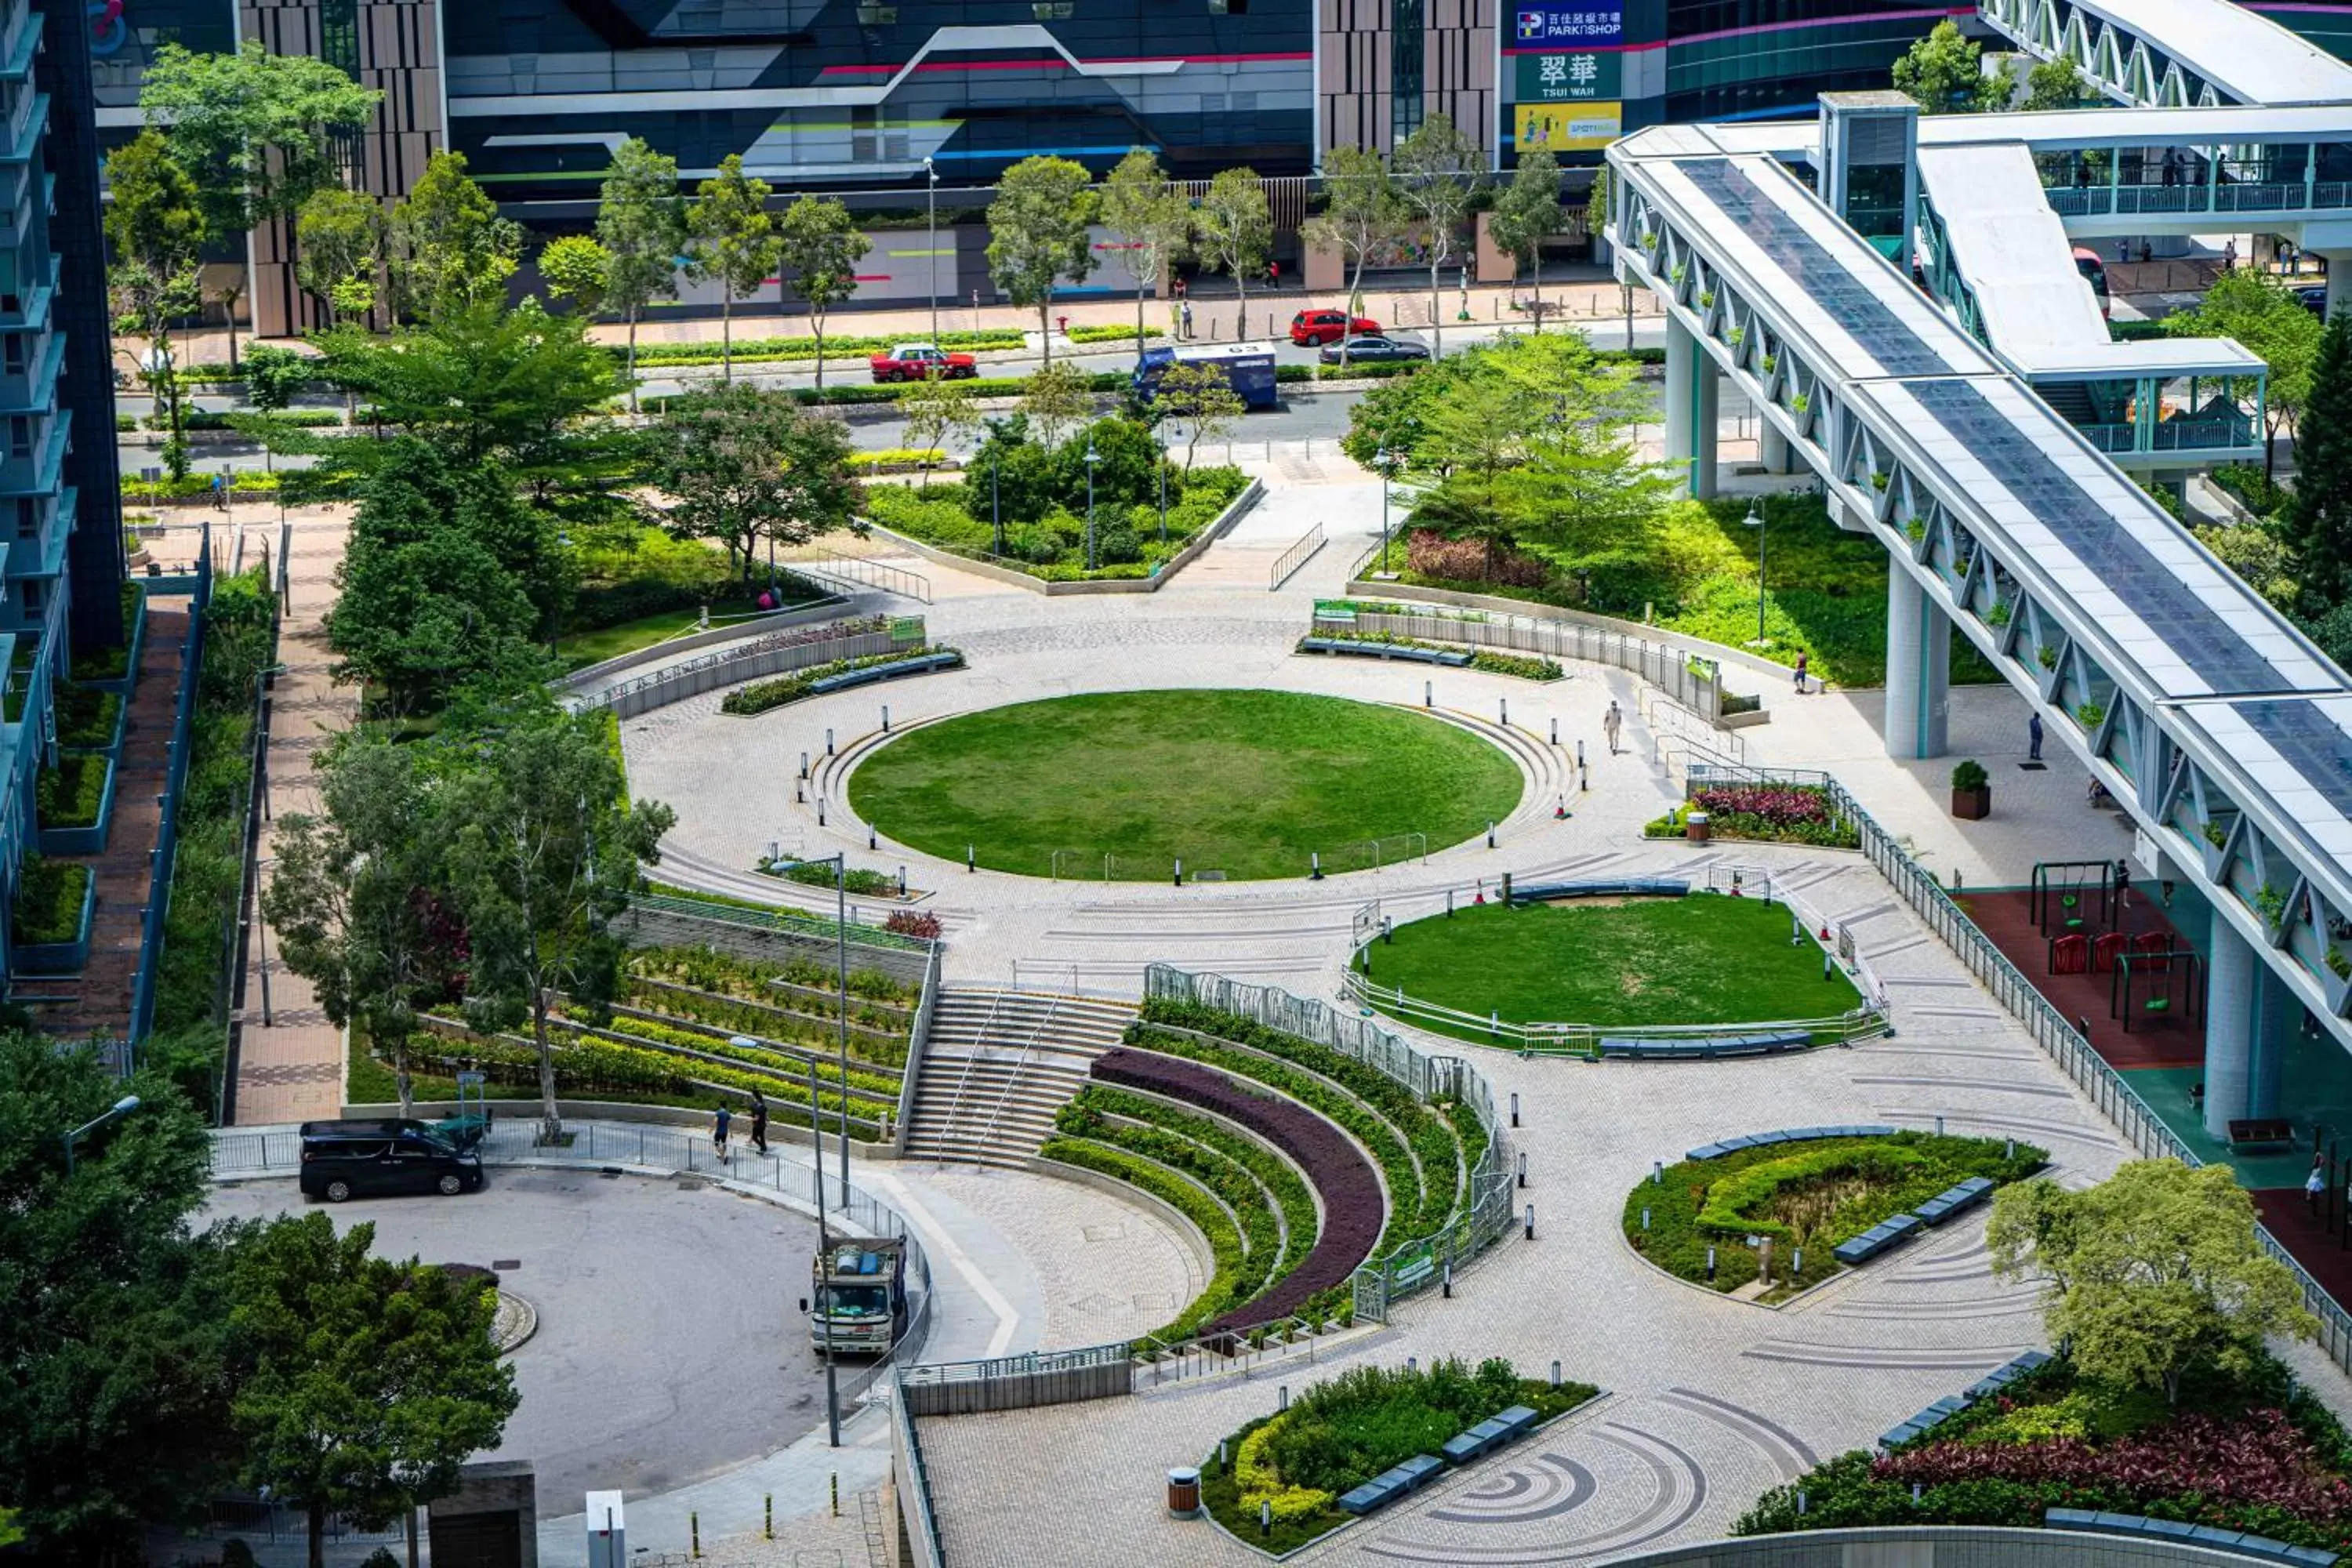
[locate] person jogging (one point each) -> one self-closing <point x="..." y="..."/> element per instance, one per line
<point x="760" y="1121"/>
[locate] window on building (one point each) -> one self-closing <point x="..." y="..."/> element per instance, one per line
<point x="877" y="16"/>
<point x="1405" y="70"/>
<point x="28" y="516"/>
<point x="339" y="34"/>
<point x="1051" y="10"/>
<point x="12" y="353"/>
<point x="1228" y="7"/>
<point x="20" y="436"/>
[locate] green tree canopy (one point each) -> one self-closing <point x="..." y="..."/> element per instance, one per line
<point x="2317" y="523"/>
<point x="1527" y="213"/>
<point x="2262" y="315"/>
<point x="338" y="238"/>
<point x="274" y="373"/>
<point x="1235" y="230"/>
<point x="1943" y="73"/>
<point x="364" y="1383"/>
<point x="1037" y="233"/>
<point x="576" y="267"/>
<point x="1361" y="212"/>
<point x="2054" y="84"/>
<point x="451" y="250"/>
<point x="1438" y="170"/>
<point x="745" y="463"/>
<point x="1149" y="217"/>
<point x="641" y="224"/>
<point x="2152" y="1273"/>
<point x="818" y="248"/>
<point x="731" y="241"/>
<point x="255" y="130"/>
<point x="155" y="231"/>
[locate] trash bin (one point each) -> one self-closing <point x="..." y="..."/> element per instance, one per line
<point x="1694" y="828"/>
<point x="1184" y="1492"/>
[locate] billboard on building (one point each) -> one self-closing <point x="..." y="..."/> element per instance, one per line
<point x="1565" y="127"/>
<point x="1566" y="26"/>
<point x="1588" y="77"/>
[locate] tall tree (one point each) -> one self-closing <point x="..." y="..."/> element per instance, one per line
<point x="641" y="222"/>
<point x="1437" y="171"/>
<point x="1055" y="400"/>
<point x="2056" y="84"/>
<point x="1361" y="212"/>
<point x="256" y="131"/>
<point x="731" y="240"/>
<point x="2317" y="523"/>
<point x="545" y="853"/>
<point x="1151" y="221"/>
<point x="1237" y="233"/>
<point x="451" y="250"/>
<point x="364" y="1383"/>
<point x="339" y="241"/>
<point x="2154" y="1273"/>
<point x="1943" y="73"/>
<point x="1200" y="397"/>
<point x="2263" y="314"/>
<point x="939" y="413"/>
<point x="349" y="894"/>
<point x="1528" y="213"/>
<point x="154" y="229"/>
<point x="1037" y="233"/>
<point x="111" y="1323"/>
<point x="576" y="267"/>
<point x="818" y="249"/>
<point x="741" y="464"/>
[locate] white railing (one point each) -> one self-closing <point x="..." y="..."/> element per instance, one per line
<point x="1297" y="555"/>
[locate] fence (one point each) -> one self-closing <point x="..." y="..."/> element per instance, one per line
<point x="175" y="775"/>
<point x="918" y="1039"/>
<point x="236" y="933"/>
<point x="801" y="648"/>
<point x="2066" y="1044"/>
<point x="1693" y="680"/>
<point x="832" y="568"/>
<point x="1297" y="555"/>
<point x="1017" y="1383"/>
<point x="1422" y="1263"/>
<point x="914" y="1483"/>
<point x="1861" y="1023"/>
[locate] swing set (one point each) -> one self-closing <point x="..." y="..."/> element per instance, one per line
<point x="2073" y="895"/>
<point x="2173" y="976"/>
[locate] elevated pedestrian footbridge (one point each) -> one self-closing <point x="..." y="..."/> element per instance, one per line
<point x="2226" y="734"/>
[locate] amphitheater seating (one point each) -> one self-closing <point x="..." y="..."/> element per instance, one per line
<point x="1451" y="658"/>
<point x="2205" y="1535"/>
<point x="919" y="665"/>
<point x="1788" y="1135"/>
<point x="1702" y="1048"/>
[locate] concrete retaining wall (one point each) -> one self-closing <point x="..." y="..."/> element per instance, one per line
<point x="1225" y="520"/>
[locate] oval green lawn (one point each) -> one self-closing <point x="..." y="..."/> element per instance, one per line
<point x="1246" y="782"/>
<point x="1704" y="959"/>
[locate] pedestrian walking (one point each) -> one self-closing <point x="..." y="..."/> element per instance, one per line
<point x="760" y="1122"/>
<point x="2034" y="737"/>
<point x="2123" y="251"/>
<point x="220" y="492"/>
<point x="1611" y="722"/>
<point x="1188" y="318"/>
<point x="719" y="1121"/>
<point x="2313" y="1185"/>
<point x="2230" y="256"/>
<point x="1801" y="666"/>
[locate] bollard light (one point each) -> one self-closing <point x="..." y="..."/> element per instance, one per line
<point x="1531" y="1222"/>
<point x="1827" y="973"/>
<point x="970" y="858"/>
<point x="804" y="764"/>
<point x="1798" y="1266"/>
<point x="1490" y="835"/>
<point x="1264" y="1517"/>
<point x="1515" y="1107"/>
<point x="1315" y="864"/>
<point x="1428" y="694"/>
<point x="1645" y="1217"/>
<point x="820" y="811"/>
<point x="1503" y="705"/>
<point x="1180" y="870"/>
<point x="1580" y="753"/>
<point x="1710" y="1265"/>
<point x="902" y="881"/>
<point x="1657" y="1172"/>
<point x="1446" y="1284"/>
<point x="1412" y="1363"/>
<point x="1523" y="1167"/>
<point x="828" y="742"/>
<point x="1555" y="730"/>
<point x="1800" y="1504"/>
<point x="1555" y="1374"/>
<point x="1583" y="780"/>
<point x="885" y="717"/>
<point x="1282" y="1391"/>
<point x="871" y="842"/>
<point x="1449" y="903"/>
<point x="1940" y="1126"/>
<point x="2009" y="1150"/>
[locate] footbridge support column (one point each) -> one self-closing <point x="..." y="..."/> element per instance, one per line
<point x="2249" y="1013"/>
<point x="1778" y="459"/>
<point x="1691" y="404"/>
<point x="1918" y="668"/>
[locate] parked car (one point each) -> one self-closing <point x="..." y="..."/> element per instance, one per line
<point x="1376" y="350"/>
<point x="1311" y="327"/>
<point x="344" y="1160"/>
<point x="916" y="361"/>
<point x="2313" y="299"/>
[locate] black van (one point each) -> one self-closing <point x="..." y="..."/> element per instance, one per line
<point x="348" y="1159"/>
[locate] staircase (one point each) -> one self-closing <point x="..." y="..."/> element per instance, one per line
<point x="997" y="1066"/>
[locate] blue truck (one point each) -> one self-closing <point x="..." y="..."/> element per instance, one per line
<point x="1248" y="367"/>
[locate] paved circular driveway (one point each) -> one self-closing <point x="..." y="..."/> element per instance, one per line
<point x="668" y="1347"/>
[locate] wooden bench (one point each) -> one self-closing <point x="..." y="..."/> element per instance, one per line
<point x="2262" y="1132"/>
<point x="1451" y="658"/>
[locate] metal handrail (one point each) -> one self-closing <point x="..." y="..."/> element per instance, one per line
<point x="963" y="1079"/>
<point x="890" y="579"/>
<point x="1865" y="1022"/>
<point x="1297" y="555"/>
<point x="1028" y="1050"/>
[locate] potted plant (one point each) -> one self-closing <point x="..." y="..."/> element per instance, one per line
<point x="1971" y="792"/>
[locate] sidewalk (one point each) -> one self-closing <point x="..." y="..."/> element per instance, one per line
<point x="289" y="1061"/>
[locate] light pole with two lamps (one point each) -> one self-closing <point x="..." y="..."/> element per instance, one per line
<point x="123" y="1107"/>
<point x="931" y="222"/>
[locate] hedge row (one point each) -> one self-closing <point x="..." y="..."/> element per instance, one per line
<point x="762" y="695"/>
<point x="769" y="1056"/>
<point x="875" y="1034"/>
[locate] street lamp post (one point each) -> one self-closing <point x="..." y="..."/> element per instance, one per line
<point x="1385" y="461"/>
<point x="1163" y="481"/>
<point x="1755" y="519"/>
<point x="123" y="1107"/>
<point x="996" y="507"/>
<point x="1093" y="457"/>
<point x="931" y="222"/>
<point x="821" y="1297"/>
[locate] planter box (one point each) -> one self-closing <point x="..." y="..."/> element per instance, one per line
<point x="59" y="957"/>
<point x="122" y="684"/>
<point x="90" y="840"/>
<point x="1241" y="503"/>
<point x="1972" y="805"/>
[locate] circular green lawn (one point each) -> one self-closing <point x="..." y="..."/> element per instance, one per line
<point x="1243" y="782"/>
<point x="1707" y="958"/>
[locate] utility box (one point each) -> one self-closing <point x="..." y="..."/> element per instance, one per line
<point x="491" y="1520"/>
<point x="608" y="1535"/>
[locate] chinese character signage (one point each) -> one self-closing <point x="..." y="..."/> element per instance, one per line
<point x="1565" y="127"/>
<point x="1572" y="78"/>
<point x="1566" y="26"/>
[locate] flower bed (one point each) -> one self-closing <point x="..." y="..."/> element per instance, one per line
<point x="1339" y="1433"/>
<point x="1783" y="813"/>
<point x="1352" y="1205"/>
<point x="2255" y="1453"/>
<point x="775" y="1057"/>
<point x="866" y="884"/>
<point x="762" y="695"/>
<point x="1810" y="1196"/>
<point x="1493" y="663"/>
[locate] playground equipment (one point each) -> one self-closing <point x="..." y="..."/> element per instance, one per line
<point x="2174" y="977"/>
<point x="2074" y="894"/>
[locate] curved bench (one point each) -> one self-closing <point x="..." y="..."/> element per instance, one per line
<point x="1876" y="1239"/>
<point x="922" y="664"/>
<point x="1786" y="1135"/>
<point x="1952" y="1200"/>
<point x="1449" y="658"/>
<point x="2205" y="1535"/>
<point x="1704" y="1046"/>
<point x="1631" y="887"/>
<point x="1951" y="1404"/>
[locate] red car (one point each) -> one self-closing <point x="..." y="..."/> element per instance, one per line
<point x="919" y="361"/>
<point x="1309" y="327"/>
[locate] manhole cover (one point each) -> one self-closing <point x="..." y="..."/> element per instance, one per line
<point x="691" y="1184"/>
<point x="1112" y="1232"/>
<point x="503" y="1264"/>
